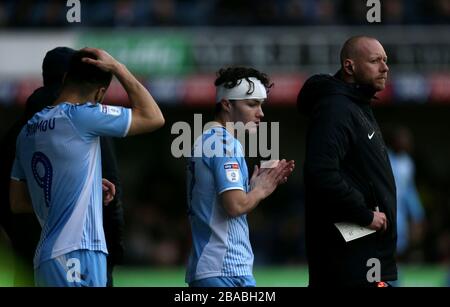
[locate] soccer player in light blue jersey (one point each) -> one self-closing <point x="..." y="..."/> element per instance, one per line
<point x="220" y="192"/>
<point x="57" y="168"/>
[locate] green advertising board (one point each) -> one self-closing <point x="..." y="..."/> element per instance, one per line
<point x="144" y="53"/>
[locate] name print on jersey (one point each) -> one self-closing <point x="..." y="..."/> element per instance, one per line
<point x="42" y="126"/>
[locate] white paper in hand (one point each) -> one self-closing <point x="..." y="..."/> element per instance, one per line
<point x="353" y="231"/>
<point x="269" y="164"/>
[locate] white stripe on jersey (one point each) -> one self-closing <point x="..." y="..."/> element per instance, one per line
<point x="210" y="262"/>
<point x="70" y="236"/>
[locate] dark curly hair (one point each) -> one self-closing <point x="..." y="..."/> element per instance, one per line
<point x="230" y="76"/>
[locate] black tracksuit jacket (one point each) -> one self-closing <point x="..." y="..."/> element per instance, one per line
<point x="347" y="174"/>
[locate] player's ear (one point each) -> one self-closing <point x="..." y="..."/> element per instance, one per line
<point x="348" y="67"/>
<point x="226" y="105"/>
<point x="100" y="94"/>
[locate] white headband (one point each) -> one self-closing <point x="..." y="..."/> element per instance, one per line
<point x="239" y="92"/>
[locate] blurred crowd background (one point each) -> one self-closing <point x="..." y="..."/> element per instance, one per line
<point x="176" y="46"/>
<point x="130" y="13"/>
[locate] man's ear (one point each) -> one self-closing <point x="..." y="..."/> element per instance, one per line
<point x="100" y="94"/>
<point x="348" y="67"/>
<point x="226" y="105"/>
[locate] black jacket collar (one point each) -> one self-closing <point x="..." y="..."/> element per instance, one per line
<point x="361" y="92"/>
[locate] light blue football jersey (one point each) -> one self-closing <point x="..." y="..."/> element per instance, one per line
<point x="220" y="243"/>
<point x="58" y="155"/>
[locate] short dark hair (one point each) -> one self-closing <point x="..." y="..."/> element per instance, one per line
<point x="229" y="77"/>
<point x="55" y="65"/>
<point x="84" y="76"/>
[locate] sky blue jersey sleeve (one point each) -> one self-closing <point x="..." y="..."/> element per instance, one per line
<point x="92" y="120"/>
<point x="228" y="173"/>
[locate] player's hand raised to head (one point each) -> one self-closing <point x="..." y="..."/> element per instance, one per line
<point x="104" y="60"/>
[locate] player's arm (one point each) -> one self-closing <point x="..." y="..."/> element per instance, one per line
<point x="263" y="183"/>
<point x="19" y="197"/>
<point x="237" y="202"/>
<point x="146" y="115"/>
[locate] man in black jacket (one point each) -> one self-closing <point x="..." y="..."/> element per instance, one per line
<point x="23" y="229"/>
<point x="348" y="177"/>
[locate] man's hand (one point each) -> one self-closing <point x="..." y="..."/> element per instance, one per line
<point x="104" y="60"/>
<point x="109" y="191"/>
<point x="379" y="221"/>
<point x="146" y="115"/>
<point x="268" y="179"/>
<point x="263" y="183"/>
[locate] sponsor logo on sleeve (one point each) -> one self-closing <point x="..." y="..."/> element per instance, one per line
<point x="110" y="110"/>
<point x="232" y="172"/>
<point x="231" y="165"/>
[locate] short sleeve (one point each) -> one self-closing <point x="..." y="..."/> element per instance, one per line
<point x="223" y="157"/>
<point x="92" y="120"/>
<point x="227" y="173"/>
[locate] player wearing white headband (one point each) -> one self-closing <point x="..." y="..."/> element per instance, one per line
<point x="220" y="192"/>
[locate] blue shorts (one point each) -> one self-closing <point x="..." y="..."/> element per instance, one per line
<point x="80" y="268"/>
<point x="223" y="281"/>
